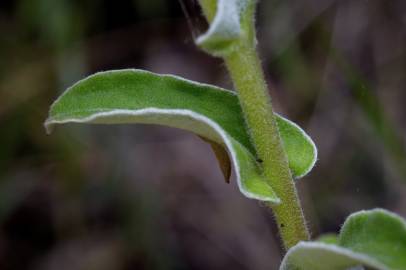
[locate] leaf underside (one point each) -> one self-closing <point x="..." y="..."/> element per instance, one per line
<point x="222" y="158"/>
<point x="136" y="96"/>
<point x="375" y="239"/>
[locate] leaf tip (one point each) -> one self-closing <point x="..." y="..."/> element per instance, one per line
<point x="49" y="127"/>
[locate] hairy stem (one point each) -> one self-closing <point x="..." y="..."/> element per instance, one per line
<point x="246" y="72"/>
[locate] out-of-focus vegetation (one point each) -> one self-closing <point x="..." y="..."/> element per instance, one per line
<point x="147" y="197"/>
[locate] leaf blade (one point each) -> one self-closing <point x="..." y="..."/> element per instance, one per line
<point x="379" y="234"/>
<point x="135" y="96"/>
<point x="375" y="239"/>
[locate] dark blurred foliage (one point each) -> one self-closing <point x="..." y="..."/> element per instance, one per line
<point x="147" y="197"/>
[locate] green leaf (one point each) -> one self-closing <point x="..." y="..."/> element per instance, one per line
<point x="136" y="96"/>
<point x="375" y="239"/>
<point x="379" y="234"/>
<point x="230" y="25"/>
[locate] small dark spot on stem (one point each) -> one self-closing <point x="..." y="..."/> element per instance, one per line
<point x="259" y="160"/>
<point x="282" y="225"/>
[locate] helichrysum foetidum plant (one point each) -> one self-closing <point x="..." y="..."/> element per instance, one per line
<point x="266" y="150"/>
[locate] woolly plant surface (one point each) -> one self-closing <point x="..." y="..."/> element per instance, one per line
<point x="230" y="24"/>
<point x="374" y="239"/>
<point x="136" y="96"/>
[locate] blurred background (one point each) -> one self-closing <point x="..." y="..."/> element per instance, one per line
<point x="149" y="197"/>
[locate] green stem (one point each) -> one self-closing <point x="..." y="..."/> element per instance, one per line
<point x="247" y="75"/>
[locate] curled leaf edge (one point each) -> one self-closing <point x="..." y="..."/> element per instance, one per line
<point x="50" y="122"/>
<point x="362" y="258"/>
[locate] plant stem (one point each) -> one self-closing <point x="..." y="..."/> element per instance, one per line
<point x="246" y="72"/>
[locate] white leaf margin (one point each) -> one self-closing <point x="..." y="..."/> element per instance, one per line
<point x="316" y="247"/>
<point x="226" y="25"/>
<point x="151" y="111"/>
